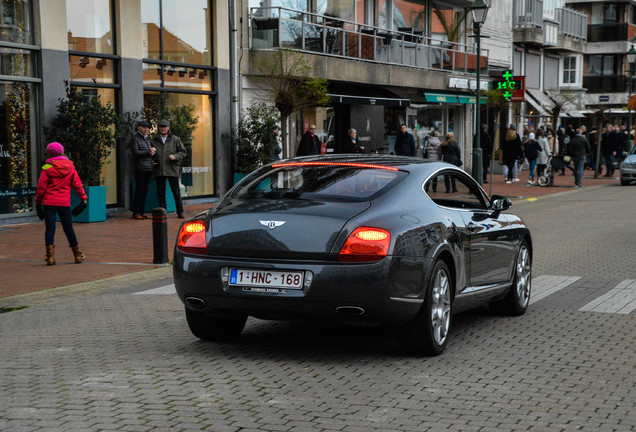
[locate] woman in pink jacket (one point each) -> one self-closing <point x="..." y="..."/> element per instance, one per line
<point x="54" y="194"/>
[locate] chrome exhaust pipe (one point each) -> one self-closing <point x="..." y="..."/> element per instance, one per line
<point x="195" y="302"/>
<point x="350" y="311"/>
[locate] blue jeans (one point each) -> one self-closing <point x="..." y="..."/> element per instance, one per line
<point x="67" y="224"/>
<point x="579" y="166"/>
<point x="533" y="165"/>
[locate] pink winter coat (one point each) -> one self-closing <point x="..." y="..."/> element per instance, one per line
<point x="54" y="186"/>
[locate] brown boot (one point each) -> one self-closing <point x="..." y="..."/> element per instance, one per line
<point x="79" y="256"/>
<point x="50" y="255"/>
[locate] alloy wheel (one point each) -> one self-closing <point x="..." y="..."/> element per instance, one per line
<point x="441" y="307"/>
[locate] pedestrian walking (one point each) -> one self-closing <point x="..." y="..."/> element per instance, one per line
<point x="608" y="148"/>
<point x="432" y="147"/>
<point x="309" y="143"/>
<point x="170" y="151"/>
<point x="531" y="150"/>
<point x="53" y="198"/>
<point x="143" y="153"/>
<point x="578" y="148"/>
<point x="542" y="158"/>
<point x="404" y="143"/>
<point x="511" y="149"/>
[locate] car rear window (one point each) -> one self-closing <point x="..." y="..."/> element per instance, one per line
<point x="325" y="181"/>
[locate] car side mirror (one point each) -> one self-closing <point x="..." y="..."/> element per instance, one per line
<point x="500" y="203"/>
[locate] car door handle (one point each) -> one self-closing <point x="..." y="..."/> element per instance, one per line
<point x="471" y="227"/>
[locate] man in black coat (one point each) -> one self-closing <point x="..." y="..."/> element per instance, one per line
<point x="309" y="143"/>
<point x="578" y="148"/>
<point x="404" y="143"/>
<point x="608" y="148"/>
<point x="142" y="152"/>
<point x="350" y="144"/>
<point x="486" y="150"/>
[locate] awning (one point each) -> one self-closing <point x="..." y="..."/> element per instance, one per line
<point x="364" y="95"/>
<point x="543" y="102"/>
<point x="452" y="98"/>
<point x="368" y="100"/>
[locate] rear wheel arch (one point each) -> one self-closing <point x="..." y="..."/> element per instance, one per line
<point x="447" y="257"/>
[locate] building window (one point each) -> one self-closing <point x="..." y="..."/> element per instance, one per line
<point x="18" y="89"/>
<point x="93" y="62"/>
<point x="178" y="72"/>
<point x="602" y="65"/>
<point x="569" y="70"/>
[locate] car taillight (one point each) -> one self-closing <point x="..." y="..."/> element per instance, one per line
<point x="192" y="238"/>
<point x="366" y="244"/>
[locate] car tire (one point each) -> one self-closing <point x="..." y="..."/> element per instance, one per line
<point x="518" y="298"/>
<point x="427" y="333"/>
<point x="211" y="328"/>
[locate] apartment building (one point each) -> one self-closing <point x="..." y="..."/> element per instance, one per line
<point x="550" y="42"/>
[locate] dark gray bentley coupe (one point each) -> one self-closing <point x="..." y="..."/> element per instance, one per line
<point x="358" y="239"/>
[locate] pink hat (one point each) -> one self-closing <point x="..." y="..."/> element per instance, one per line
<point x="54" y="149"/>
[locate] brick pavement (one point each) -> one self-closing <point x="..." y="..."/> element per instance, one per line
<point x="121" y="245"/>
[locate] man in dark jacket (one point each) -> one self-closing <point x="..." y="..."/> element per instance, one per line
<point x="404" y="143"/>
<point x="350" y="144"/>
<point x="578" y="148"/>
<point x="608" y="148"/>
<point x="170" y="153"/>
<point x="486" y="150"/>
<point x="309" y="143"/>
<point x="142" y="153"/>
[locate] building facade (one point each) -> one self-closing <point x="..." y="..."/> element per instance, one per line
<point x="129" y="52"/>
<point x="387" y="62"/>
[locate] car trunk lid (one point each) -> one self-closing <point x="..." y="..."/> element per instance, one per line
<point x="288" y="229"/>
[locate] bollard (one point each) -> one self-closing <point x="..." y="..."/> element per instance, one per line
<point x="160" y="235"/>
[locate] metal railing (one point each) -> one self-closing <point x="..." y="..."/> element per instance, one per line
<point x="279" y="27"/>
<point x="572" y="23"/>
<point x="527" y="13"/>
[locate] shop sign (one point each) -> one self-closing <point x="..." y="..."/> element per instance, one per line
<point x="512" y="88"/>
<point x="460" y="83"/>
<point x="604" y="98"/>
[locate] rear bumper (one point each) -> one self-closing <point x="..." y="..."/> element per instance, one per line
<point x="384" y="292"/>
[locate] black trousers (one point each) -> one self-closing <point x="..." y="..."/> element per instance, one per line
<point x="142" y="181"/>
<point x="174" y="186"/>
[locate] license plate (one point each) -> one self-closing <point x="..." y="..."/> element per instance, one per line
<point x="266" y="278"/>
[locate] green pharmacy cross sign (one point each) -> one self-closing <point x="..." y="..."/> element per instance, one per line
<point x="511" y="87"/>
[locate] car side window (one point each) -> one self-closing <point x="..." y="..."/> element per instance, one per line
<point x="449" y="189"/>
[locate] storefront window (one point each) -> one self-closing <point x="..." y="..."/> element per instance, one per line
<point x="89" y="26"/>
<point x="175" y="40"/>
<point x="197" y="168"/>
<point x="15" y="22"/>
<point x="17" y="186"/>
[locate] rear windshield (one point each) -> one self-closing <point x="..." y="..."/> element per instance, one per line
<point x="328" y="181"/>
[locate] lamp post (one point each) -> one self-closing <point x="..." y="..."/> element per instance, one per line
<point x="479" y="10"/>
<point x="631" y="58"/>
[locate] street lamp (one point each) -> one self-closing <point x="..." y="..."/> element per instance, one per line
<point x="479" y="10"/>
<point x="631" y="58"/>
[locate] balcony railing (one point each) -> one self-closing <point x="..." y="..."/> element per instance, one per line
<point x="610" y="32"/>
<point x="527" y="13"/>
<point x="278" y="27"/>
<point x="608" y="83"/>
<point x="572" y="23"/>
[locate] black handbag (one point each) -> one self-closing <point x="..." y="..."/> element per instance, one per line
<point x="78" y="209"/>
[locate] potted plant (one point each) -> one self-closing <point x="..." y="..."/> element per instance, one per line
<point x="87" y="129"/>
<point x="255" y="139"/>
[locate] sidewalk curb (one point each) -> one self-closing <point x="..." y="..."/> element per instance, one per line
<point x="117" y="282"/>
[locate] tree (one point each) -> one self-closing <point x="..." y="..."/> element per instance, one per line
<point x="451" y="23"/>
<point x="560" y="100"/>
<point x="88" y="131"/>
<point x="254" y="138"/>
<point x="287" y="83"/>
